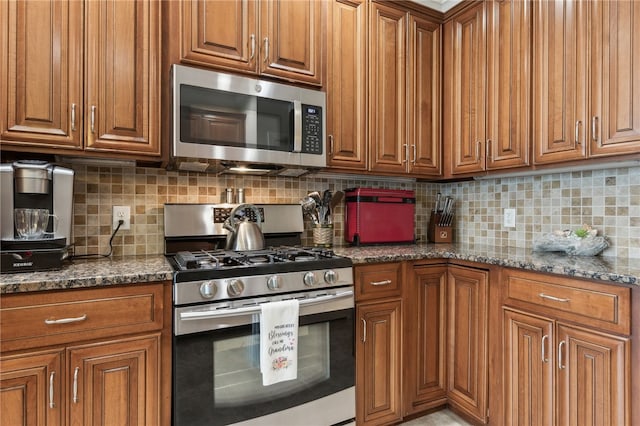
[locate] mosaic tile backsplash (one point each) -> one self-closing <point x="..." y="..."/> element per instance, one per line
<point x="609" y="200"/>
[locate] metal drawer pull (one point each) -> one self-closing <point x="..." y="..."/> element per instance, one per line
<point x="65" y="320"/>
<point x="561" y="366"/>
<point x="364" y="329"/>
<point x="406" y="153"/>
<point x="51" y="403"/>
<point x="384" y="282"/>
<point x="75" y="385"/>
<point x="544" y="352"/>
<point x="253" y="47"/>
<point x="594" y="128"/>
<point x="555" y="299"/>
<point x="331" y="144"/>
<point x="266" y="50"/>
<point x="577" y="135"/>
<point x="415" y="154"/>
<point x="73" y="117"/>
<point x="93" y="118"/>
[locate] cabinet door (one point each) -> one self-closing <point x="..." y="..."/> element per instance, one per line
<point x="424" y="342"/>
<point x="115" y="383"/>
<point x="615" y="78"/>
<point x="387" y="88"/>
<point x="221" y="33"/>
<point x="423" y="96"/>
<point x="347" y="85"/>
<point x="560" y="61"/>
<point x="593" y="378"/>
<point x="464" y="88"/>
<point x="467" y="340"/>
<point x="508" y="83"/>
<point x="41" y="73"/>
<point x="122" y="76"/>
<point x="292" y="39"/>
<point x="30" y="389"/>
<point x="528" y="369"/>
<point x="378" y="362"/>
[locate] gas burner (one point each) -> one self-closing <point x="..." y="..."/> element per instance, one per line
<point x="259" y="259"/>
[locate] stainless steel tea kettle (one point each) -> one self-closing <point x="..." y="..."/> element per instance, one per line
<point x="244" y="234"/>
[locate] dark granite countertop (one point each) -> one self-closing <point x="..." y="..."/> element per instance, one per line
<point x="609" y="269"/>
<point x="91" y="273"/>
<point x="139" y="269"/>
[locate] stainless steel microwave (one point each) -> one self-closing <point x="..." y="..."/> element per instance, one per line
<point x="225" y="122"/>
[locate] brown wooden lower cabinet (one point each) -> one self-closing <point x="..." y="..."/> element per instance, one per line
<point x="467" y="340"/>
<point x="100" y="378"/>
<point x="567" y="351"/>
<point x="425" y="361"/>
<point x="378" y="362"/>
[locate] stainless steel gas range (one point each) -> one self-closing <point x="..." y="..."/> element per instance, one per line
<point x="218" y="295"/>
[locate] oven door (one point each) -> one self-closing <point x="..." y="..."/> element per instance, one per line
<point x="217" y="379"/>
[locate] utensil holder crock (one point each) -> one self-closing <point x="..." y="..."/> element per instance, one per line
<point x="323" y="235"/>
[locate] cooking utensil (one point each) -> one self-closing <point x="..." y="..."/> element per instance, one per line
<point x="309" y="207"/>
<point x="437" y="207"/>
<point x="244" y="234"/>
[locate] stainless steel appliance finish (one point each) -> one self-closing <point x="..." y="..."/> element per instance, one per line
<point x="222" y="122"/>
<point x="218" y="295"/>
<point x="245" y="231"/>
<point x="31" y="184"/>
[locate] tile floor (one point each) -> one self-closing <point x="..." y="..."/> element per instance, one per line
<point x="439" y="418"/>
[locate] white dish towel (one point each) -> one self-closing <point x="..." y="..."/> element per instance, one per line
<point x="279" y="341"/>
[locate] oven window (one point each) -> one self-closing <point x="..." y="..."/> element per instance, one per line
<point x="217" y="379"/>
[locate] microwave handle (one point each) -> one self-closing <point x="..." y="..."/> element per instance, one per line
<point x="297" y="126"/>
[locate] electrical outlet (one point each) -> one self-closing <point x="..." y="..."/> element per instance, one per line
<point x="122" y="213"/>
<point x="509" y="218"/>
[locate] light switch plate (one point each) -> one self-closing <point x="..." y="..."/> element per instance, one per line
<point x="509" y="218"/>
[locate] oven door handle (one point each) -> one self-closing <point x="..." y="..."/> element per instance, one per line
<point x="254" y="309"/>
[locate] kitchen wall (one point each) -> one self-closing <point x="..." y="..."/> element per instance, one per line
<point x="609" y="200"/>
<point x="146" y="190"/>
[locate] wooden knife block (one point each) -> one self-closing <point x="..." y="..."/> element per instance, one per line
<point x="437" y="233"/>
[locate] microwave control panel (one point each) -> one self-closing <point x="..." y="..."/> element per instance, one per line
<point x="311" y="129"/>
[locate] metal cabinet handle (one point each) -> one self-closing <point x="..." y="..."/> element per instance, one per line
<point x="594" y="128"/>
<point x="487" y="149"/>
<point x="415" y="154"/>
<point x="252" y="37"/>
<point x="73" y="117"/>
<point x="561" y="366"/>
<point x="577" y="130"/>
<point x="75" y="385"/>
<point x="330" y="144"/>
<point x="93" y="118"/>
<point x="65" y="320"/>
<point x="555" y="299"/>
<point x="51" y="395"/>
<point x="384" y="282"/>
<point x="544" y="349"/>
<point x="406" y="153"/>
<point x="266" y="50"/>
<point x="364" y="330"/>
<point x="478" y="149"/>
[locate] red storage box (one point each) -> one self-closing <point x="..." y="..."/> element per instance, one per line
<point x="375" y="216"/>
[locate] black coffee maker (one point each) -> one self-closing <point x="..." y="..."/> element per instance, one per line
<point x="35" y="187"/>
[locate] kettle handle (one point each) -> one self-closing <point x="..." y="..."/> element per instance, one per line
<point x="240" y="207"/>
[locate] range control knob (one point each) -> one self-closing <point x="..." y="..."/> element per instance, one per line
<point x="331" y="276"/>
<point x="235" y="288"/>
<point x="274" y="282"/>
<point x="208" y="289"/>
<point x="310" y="279"/>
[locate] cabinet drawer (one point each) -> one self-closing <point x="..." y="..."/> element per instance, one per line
<point x="585" y="302"/>
<point x="47" y="318"/>
<point x="378" y="280"/>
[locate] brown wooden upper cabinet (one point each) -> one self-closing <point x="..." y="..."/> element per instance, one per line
<point x="384" y="89"/>
<point x="487" y="94"/>
<point x="587" y="79"/>
<point x="81" y="77"/>
<point x="275" y="38"/>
